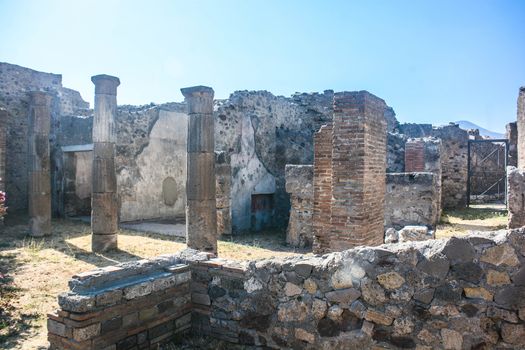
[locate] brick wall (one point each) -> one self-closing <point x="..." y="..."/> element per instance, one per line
<point x="415" y="156"/>
<point x="357" y="170"/>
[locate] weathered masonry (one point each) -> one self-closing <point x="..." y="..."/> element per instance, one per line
<point x="459" y="293"/>
<point x="349" y="170"/>
<point x="104" y="201"/>
<point x="516" y="176"/>
<point x="201" y="208"/>
<point x="3" y="145"/>
<point x="39" y="175"/>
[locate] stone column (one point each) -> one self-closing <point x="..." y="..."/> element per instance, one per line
<point x="39" y="182"/>
<point x="511" y="134"/>
<point x="521" y="128"/>
<point x="104" y="198"/>
<point x="201" y="211"/>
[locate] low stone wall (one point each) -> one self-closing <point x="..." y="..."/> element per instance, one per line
<point x="411" y="199"/>
<point x="459" y="293"/>
<point x="299" y="183"/>
<point x="129" y="306"/>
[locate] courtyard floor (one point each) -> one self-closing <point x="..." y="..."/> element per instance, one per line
<point x="34" y="271"/>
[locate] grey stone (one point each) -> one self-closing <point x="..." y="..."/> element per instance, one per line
<point x="459" y="250"/>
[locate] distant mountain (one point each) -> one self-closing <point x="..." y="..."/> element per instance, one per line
<point x="464" y="124"/>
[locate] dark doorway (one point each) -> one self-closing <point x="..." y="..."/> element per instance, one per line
<point x="262" y="211"/>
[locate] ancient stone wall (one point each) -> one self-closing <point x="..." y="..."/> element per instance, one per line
<point x="151" y="161"/>
<point x="516" y="197"/>
<point x="15" y="83"/>
<point x="262" y="133"/>
<point x="411" y="199"/>
<point x="458" y="293"/>
<point x="511" y="134"/>
<point x="299" y="184"/>
<point x="453" y="165"/>
<point x="520" y="120"/>
<point x="415" y="130"/>
<point x="395" y="154"/>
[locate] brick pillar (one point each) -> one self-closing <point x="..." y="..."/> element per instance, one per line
<point x="322" y="189"/>
<point x="358" y="170"/>
<point x="39" y="175"/>
<point x="104" y="198"/>
<point x="414" y="156"/>
<point x="521" y="128"/>
<point x="3" y="147"/>
<point x="201" y="210"/>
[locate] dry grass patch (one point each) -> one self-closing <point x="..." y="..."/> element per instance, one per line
<point x="461" y="222"/>
<point x="33" y="271"/>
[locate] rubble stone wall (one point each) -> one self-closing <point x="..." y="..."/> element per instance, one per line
<point x="299" y="184"/>
<point x="395" y="155"/>
<point x="516" y="197"/>
<point x="15" y="84"/>
<point x="457" y="293"/>
<point x="453" y="165"/>
<point x="411" y="199"/>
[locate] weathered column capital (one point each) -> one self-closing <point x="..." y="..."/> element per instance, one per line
<point x="199" y="99"/>
<point x="105" y="84"/>
<point x="39" y="98"/>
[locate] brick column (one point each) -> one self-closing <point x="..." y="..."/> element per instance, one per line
<point x="414" y="156"/>
<point x="201" y="210"/>
<point x="358" y="170"/>
<point x="39" y="175"/>
<point x="104" y="198"/>
<point x="3" y="147"/>
<point x="521" y="128"/>
<point x="322" y="189"/>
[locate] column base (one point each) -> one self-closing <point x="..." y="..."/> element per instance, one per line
<point x="103" y="243"/>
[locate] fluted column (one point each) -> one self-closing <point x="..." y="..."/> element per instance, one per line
<point x="39" y="176"/>
<point x="104" y="198"/>
<point x="201" y="211"/>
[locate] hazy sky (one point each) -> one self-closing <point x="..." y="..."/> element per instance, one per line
<point x="433" y="61"/>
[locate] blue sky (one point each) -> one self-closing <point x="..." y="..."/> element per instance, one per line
<point x="432" y="61"/>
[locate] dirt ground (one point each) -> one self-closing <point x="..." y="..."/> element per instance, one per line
<point x="34" y="271"/>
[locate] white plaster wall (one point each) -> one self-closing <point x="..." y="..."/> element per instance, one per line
<point x="249" y="177"/>
<point x="165" y="156"/>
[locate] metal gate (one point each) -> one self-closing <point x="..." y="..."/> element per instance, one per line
<point x="487" y="169"/>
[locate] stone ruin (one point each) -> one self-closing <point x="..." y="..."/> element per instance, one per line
<point x="339" y="163"/>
